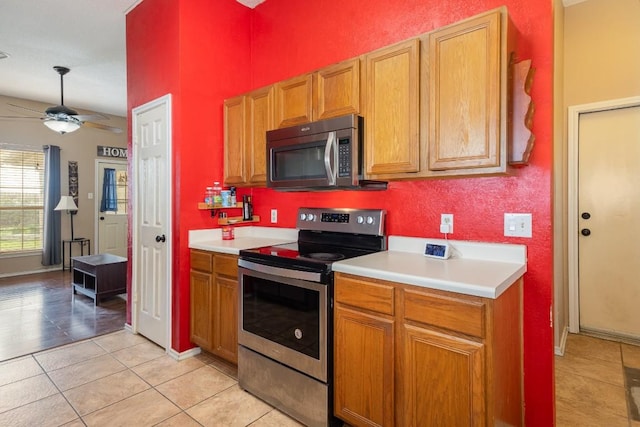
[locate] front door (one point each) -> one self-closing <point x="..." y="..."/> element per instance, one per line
<point x="152" y="220"/>
<point x="112" y="211"/>
<point x="609" y="204"/>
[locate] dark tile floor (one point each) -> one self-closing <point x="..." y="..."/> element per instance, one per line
<point x="39" y="311"/>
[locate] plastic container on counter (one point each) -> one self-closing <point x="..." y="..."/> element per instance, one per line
<point x="227" y="232"/>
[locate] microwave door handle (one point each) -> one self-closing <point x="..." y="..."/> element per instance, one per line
<point x="331" y="142"/>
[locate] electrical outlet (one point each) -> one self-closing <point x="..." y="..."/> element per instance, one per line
<point x="274" y="216"/>
<point x="446" y="223"/>
<point x="517" y="225"/>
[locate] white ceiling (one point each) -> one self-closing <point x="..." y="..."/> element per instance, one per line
<point x="87" y="36"/>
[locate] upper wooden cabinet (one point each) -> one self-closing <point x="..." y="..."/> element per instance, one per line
<point x="468" y="88"/>
<point x="330" y="92"/>
<point x="247" y="119"/>
<point x="437" y="105"/>
<point x="391" y="110"/>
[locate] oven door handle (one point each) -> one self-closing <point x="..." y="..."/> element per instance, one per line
<point x="281" y="272"/>
<point x="331" y="143"/>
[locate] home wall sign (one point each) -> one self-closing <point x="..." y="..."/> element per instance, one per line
<point x="114" y="152"/>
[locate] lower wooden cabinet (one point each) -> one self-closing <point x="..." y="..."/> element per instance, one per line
<point x="411" y="356"/>
<point x="214" y="303"/>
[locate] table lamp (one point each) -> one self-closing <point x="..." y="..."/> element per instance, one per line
<point x="67" y="204"/>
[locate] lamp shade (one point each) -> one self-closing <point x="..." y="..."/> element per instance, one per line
<point x="62" y="127"/>
<point x="66" y="204"/>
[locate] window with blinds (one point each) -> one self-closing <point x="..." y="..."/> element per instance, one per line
<point x="21" y="200"/>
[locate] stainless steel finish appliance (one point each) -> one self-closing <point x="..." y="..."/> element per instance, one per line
<point x="285" y="331"/>
<point x="323" y="155"/>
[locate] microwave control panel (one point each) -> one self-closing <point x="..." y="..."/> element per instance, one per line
<point x="344" y="158"/>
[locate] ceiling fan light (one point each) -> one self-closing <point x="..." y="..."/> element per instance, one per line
<point x="61" y="127"/>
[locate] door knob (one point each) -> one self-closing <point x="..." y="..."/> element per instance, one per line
<point x="101" y="218"/>
<point x="585" y="232"/>
<point x="160" y="238"/>
<point x="585" y="215"/>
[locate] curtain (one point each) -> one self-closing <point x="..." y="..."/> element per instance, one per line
<point x="51" y="236"/>
<point x="109" y="197"/>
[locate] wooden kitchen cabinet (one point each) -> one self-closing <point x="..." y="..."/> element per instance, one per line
<point x="392" y="145"/>
<point x="214" y="302"/>
<point x="247" y="118"/>
<point x="454" y="359"/>
<point x="364" y="353"/>
<point x="468" y="95"/>
<point x="201" y="289"/>
<point x="330" y="92"/>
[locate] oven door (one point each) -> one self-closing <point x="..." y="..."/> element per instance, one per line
<point x="285" y="319"/>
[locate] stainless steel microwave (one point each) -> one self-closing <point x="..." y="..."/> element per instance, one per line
<point x="322" y="155"/>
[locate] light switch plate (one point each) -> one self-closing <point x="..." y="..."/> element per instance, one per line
<point x="517" y="224"/>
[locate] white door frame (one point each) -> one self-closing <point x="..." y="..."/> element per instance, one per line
<point x="135" y="112"/>
<point x="572" y="183"/>
<point x="96" y="202"/>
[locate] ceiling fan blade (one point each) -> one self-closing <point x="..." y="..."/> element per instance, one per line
<point x="102" y="127"/>
<point x="26" y="108"/>
<point x="94" y="116"/>
<point x="20" y="117"/>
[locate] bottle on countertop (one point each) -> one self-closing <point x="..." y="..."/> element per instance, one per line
<point x="247" y="208"/>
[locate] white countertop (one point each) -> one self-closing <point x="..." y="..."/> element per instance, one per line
<point x="245" y="238"/>
<point x="480" y="269"/>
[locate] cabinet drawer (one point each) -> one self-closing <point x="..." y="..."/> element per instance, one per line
<point x="202" y="261"/>
<point x="368" y="295"/>
<point x="226" y="265"/>
<point x="465" y="316"/>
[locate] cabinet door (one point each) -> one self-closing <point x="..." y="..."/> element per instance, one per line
<point x="364" y="368"/>
<point x="465" y="96"/>
<point x="225" y="327"/>
<point x="442" y="379"/>
<point x="234" y="141"/>
<point x="338" y="90"/>
<point x="392" y="143"/>
<point x="259" y="117"/>
<point x="294" y="101"/>
<point x="201" y="288"/>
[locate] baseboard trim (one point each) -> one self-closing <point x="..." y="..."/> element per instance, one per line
<point x="559" y="349"/>
<point x="24" y="273"/>
<point x="185" y="354"/>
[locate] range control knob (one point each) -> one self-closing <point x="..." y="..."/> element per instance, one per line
<point x="303" y="217"/>
<point x="311" y="217"/>
<point x="369" y="220"/>
<point x="360" y="219"/>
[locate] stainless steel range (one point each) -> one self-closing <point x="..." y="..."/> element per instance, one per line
<point x="285" y="332"/>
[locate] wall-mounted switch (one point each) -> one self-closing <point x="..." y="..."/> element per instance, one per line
<point x="517" y="225"/>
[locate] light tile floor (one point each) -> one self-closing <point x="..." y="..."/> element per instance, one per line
<point x="590" y="389"/>
<point x="122" y="379"/>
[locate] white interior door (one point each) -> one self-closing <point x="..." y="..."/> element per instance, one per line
<point x="152" y="220"/>
<point x="112" y="223"/>
<point x="608" y="208"/>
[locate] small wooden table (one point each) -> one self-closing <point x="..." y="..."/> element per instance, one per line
<point x="99" y="276"/>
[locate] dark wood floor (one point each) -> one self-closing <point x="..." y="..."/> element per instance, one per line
<point x="39" y="311"/>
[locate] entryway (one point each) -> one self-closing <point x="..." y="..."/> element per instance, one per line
<point x="111" y="207"/>
<point x="604" y="189"/>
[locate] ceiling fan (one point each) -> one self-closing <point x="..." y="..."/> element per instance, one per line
<point x="63" y="119"/>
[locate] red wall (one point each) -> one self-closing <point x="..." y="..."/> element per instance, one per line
<point x="223" y="49"/>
